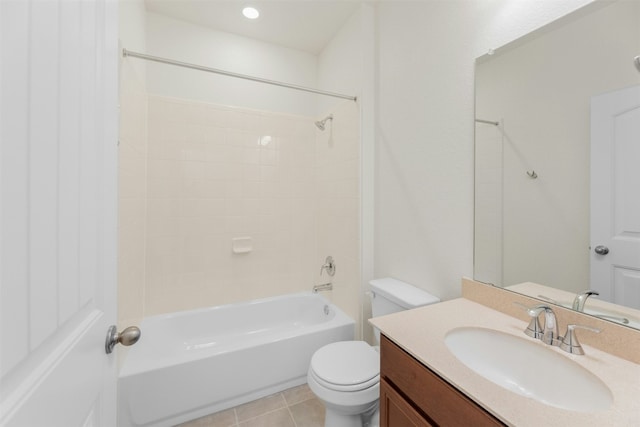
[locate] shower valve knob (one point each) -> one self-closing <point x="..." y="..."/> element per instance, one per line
<point x="127" y="337"/>
<point x="329" y="265"/>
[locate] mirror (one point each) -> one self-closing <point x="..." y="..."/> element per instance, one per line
<point x="535" y="168"/>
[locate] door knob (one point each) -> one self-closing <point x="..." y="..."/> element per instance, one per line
<point x="128" y="336"/>
<point x="601" y="250"/>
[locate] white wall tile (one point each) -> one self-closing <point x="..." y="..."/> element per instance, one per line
<point x="133" y="154"/>
<point x="229" y="186"/>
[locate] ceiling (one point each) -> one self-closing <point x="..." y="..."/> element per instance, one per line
<point x="304" y="25"/>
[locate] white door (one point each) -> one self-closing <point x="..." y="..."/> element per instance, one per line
<point x="58" y="128"/>
<point x="615" y="196"/>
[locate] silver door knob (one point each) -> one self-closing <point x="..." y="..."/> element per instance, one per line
<point x="601" y="250"/>
<point x="128" y="336"/>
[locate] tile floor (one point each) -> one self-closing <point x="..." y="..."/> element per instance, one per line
<point x="295" y="407"/>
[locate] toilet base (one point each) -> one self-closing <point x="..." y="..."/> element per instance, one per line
<point x="370" y="418"/>
<point x="374" y="421"/>
<point x="334" y="419"/>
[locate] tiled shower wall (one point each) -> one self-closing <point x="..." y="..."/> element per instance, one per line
<point x="338" y="205"/>
<point x="132" y="194"/>
<point x="209" y="180"/>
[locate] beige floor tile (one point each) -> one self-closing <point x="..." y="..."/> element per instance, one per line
<point x="298" y="394"/>
<point x="278" y="418"/>
<point x="219" y="419"/>
<point x="309" y="413"/>
<point x="260" y="407"/>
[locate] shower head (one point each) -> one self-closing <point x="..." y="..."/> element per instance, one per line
<point x="321" y="124"/>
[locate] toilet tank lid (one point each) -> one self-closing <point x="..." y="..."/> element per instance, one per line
<point x="403" y="294"/>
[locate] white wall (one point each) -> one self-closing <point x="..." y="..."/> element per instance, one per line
<point x="340" y="64"/>
<point x="132" y="31"/>
<point x="425" y="90"/>
<point x="182" y="41"/>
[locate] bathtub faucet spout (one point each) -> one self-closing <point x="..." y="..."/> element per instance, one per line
<point x="323" y="287"/>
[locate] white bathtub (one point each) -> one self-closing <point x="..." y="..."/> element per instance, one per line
<point x="193" y="363"/>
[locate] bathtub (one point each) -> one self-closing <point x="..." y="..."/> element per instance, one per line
<point x="193" y="363"/>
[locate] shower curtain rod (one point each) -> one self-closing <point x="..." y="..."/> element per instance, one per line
<point x="126" y="53"/>
<point x="489" y="122"/>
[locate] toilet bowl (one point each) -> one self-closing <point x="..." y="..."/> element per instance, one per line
<point x="346" y="375"/>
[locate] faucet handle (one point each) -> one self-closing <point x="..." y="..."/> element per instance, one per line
<point x="570" y="342"/>
<point x="534" y="330"/>
<point x="531" y="311"/>
<point x="329" y="265"/>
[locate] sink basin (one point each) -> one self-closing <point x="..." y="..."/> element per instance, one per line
<point x="529" y="368"/>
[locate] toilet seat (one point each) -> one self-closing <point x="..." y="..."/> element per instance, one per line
<point x="345" y="388"/>
<point x="346" y="366"/>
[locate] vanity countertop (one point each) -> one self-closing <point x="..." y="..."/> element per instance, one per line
<point x="425" y="341"/>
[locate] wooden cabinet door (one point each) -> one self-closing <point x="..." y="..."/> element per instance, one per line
<point x="442" y="403"/>
<point x="395" y="411"/>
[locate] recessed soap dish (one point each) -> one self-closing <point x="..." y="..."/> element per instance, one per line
<point x="242" y="245"/>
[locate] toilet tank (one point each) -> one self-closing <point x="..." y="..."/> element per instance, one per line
<point x="391" y="295"/>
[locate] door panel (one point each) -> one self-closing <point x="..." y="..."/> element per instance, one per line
<point x="627" y="286"/>
<point x="58" y="127"/>
<point x="615" y="195"/>
<point x="14" y="297"/>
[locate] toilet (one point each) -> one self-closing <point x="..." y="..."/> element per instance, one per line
<point x="346" y="375"/>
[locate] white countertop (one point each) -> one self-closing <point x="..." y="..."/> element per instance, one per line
<point x="421" y="332"/>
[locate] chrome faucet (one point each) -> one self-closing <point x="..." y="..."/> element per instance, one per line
<point x="570" y="342"/>
<point x="322" y="287"/>
<point x="549" y="334"/>
<point x="581" y="299"/>
<point x="329" y="265"/>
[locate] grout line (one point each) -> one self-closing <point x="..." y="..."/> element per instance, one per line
<point x="308" y="395"/>
<point x="264" y="413"/>
<point x="286" y="405"/>
<point x="295" y="424"/>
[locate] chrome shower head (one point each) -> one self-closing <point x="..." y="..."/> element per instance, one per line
<point x="321" y="124"/>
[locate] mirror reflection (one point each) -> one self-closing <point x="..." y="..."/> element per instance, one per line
<point x="557" y="167"/>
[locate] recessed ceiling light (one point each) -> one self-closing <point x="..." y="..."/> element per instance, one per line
<point x="250" y="12"/>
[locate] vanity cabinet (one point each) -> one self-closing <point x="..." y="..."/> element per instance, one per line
<point x="413" y="395"/>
